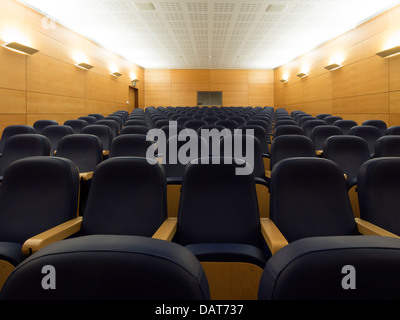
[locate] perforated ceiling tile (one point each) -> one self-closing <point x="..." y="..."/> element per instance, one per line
<point x="230" y="34"/>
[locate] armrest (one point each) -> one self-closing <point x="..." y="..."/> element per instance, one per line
<point x="268" y="174"/>
<point x="86" y="175"/>
<point x="370" y="229"/>
<point x="106" y="152"/>
<point x="167" y="230"/>
<point x="47" y="237"/>
<point x="274" y="238"/>
<point x="319" y="153"/>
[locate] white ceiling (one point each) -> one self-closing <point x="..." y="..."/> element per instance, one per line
<point x="210" y="34"/>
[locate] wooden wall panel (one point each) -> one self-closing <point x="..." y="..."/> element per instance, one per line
<point x="365" y="87"/>
<point x="179" y="87"/>
<point x="48" y="85"/>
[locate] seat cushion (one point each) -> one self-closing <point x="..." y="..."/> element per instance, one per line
<point x="11" y="252"/>
<point x="228" y="252"/>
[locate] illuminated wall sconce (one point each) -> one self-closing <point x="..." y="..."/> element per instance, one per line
<point x="116" y="74"/>
<point x="18" y="47"/>
<point x="302" y="75"/>
<point x="333" y="66"/>
<point x="84" y="65"/>
<point x="389" y="52"/>
<point x="134" y="82"/>
<point x="283" y="80"/>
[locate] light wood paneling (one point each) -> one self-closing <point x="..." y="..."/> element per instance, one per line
<point x="365" y="87"/>
<point x="48" y="85"/>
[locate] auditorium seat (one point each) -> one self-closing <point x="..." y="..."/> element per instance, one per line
<point x="37" y="193"/>
<point x="369" y="133"/>
<point x="393" y="130"/>
<point x="135" y="122"/>
<point x="118" y="119"/>
<point x="380" y="124"/>
<point x="387" y="146"/>
<point x="98" y="116"/>
<point x="218" y="220"/>
<point x="108" y="267"/>
<point x="345" y="125"/>
<point x="13" y="130"/>
<point x="131" y="145"/>
<point x="378" y="192"/>
<point x="76" y="124"/>
<point x="286" y="129"/>
<point x="85" y="150"/>
<point x="309" y="125"/>
<point x="363" y="268"/>
<point x="112" y="124"/>
<point x="289" y="146"/>
<point x="134" y="129"/>
<point x="228" y="124"/>
<point x="22" y="146"/>
<point x="319" y="203"/>
<point x="332" y="119"/>
<point x="40" y="124"/>
<point x="320" y="133"/>
<point x="195" y="124"/>
<point x="104" y="133"/>
<point x="322" y="116"/>
<point x="88" y="119"/>
<point x="54" y="133"/>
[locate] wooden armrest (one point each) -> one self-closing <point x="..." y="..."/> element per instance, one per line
<point x="106" y="152"/>
<point x="86" y="175"/>
<point x="47" y="237"/>
<point x="319" y="152"/>
<point x="370" y="229"/>
<point x="268" y="174"/>
<point x="167" y="230"/>
<point x="274" y="238"/>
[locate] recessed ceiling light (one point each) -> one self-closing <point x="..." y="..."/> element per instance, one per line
<point x="144" y="6"/>
<point x="275" y="8"/>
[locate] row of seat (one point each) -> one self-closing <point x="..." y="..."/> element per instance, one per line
<point x="224" y="229"/>
<point x="218" y="224"/>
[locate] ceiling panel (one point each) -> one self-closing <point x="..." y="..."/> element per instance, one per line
<point x="246" y="34"/>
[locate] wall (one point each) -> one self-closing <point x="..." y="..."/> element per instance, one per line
<point x="48" y="85"/>
<point x="179" y="87"/>
<point x="365" y="87"/>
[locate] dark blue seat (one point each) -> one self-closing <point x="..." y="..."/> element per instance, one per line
<point x="363" y="268"/>
<point x="286" y="129"/>
<point x="380" y="124"/>
<point x="76" y="124"/>
<point x="37" y="193"/>
<point x="131" y="145"/>
<point x="110" y="268"/>
<point x="22" y="146"/>
<point x="54" y="133"/>
<point x="378" y="192"/>
<point x="40" y="124"/>
<point x="387" y="146"/>
<point x="369" y="133"/>
<point x="103" y="132"/>
<point x="320" y="133"/>
<point x="345" y="125"/>
<point x="13" y="130"/>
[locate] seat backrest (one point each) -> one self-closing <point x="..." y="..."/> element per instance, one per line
<point x="76" y="124"/>
<point x="127" y="196"/>
<point x="54" y="133"/>
<point x="345" y="125"/>
<point x="289" y="146"/>
<point x="388" y="146"/>
<point x="309" y="125"/>
<point x="22" y="146"/>
<point x="131" y="145"/>
<point x="380" y="124"/>
<point x="89" y="119"/>
<point x="195" y="124"/>
<point x="135" y="122"/>
<point x="349" y="152"/>
<point x="369" y="133"/>
<point x="98" y="116"/>
<point x="228" y="124"/>
<point x="260" y="134"/>
<point x="332" y="119"/>
<point x="13" y="130"/>
<point x="112" y="124"/>
<point x="135" y="129"/>
<point x="309" y="198"/>
<point x="85" y="150"/>
<point x="217" y="205"/>
<point x="37" y="194"/>
<point x="40" y="124"/>
<point x="127" y="268"/>
<point x="320" y="133"/>
<point x="334" y="268"/>
<point x="288" y="129"/>
<point x="393" y="130"/>
<point x="102" y="131"/>
<point x="378" y="192"/>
